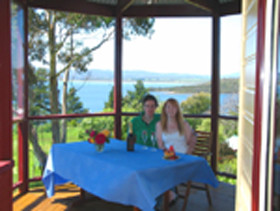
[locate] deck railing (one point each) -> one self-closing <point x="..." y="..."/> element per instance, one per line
<point x="22" y="164"/>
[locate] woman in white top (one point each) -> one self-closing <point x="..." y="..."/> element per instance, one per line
<point x="173" y="130"/>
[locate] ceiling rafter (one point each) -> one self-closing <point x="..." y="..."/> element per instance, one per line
<point x="125" y="4"/>
<point x="165" y="11"/>
<point x="203" y="4"/>
<point x="81" y="6"/>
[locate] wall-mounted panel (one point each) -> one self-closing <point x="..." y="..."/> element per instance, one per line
<point x="246" y="106"/>
<point x="251" y="42"/>
<point x="249" y="102"/>
<point x="249" y="76"/>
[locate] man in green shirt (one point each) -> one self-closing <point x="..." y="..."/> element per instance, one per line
<point x="144" y="125"/>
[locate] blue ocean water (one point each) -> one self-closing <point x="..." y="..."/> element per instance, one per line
<point x="94" y="94"/>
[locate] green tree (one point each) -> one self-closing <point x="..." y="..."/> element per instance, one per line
<point x="110" y="103"/>
<point x="38" y="104"/>
<point x="133" y="99"/>
<point x="54" y="39"/>
<point x="74" y="104"/>
<point x="132" y="102"/>
<point x="198" y="103"/>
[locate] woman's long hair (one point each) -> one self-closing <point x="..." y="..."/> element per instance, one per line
<point x="178" y="116"/>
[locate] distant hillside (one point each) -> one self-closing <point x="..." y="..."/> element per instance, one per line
<point x="137" y="75"/>
<point x="227" y="85"/>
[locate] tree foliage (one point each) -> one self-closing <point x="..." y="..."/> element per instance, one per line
<point x="74" y="104"/>
<point x="133" y="99"/>
<point x="198" y="103"/>
<point x="55" y="41"/>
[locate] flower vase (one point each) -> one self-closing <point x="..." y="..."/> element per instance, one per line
<point x="99" y="147"/>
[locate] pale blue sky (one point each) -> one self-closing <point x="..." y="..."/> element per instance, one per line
<point x="180" y="45"/>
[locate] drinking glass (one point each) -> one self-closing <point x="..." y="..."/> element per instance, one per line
<point x="144" y="138"/>
<point x="154" y="141"/>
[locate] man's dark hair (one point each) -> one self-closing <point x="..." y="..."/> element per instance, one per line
<point x="150" y="97"/>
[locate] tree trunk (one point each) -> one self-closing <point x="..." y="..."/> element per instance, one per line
<point x="64" y="106"/>
<point x="53" y="77"/>
<point x="39" y="153"/>
<point x="64" y="94"/>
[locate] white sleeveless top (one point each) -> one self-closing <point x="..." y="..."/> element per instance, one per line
<point x="178" y="141"/>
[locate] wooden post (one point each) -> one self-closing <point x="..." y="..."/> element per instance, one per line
<point x="6" y="163"/>
<point x="215" y="89"/>
<point x="118" y="74"/>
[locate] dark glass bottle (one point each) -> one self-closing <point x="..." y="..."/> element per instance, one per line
<point x="130" y="141"/>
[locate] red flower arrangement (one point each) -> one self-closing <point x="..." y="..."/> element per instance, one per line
<point x="98" y="138"/>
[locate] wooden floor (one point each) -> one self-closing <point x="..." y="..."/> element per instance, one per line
<point x="67" y="197"/>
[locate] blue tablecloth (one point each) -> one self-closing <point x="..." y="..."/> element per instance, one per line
<point x="130" y="178"/>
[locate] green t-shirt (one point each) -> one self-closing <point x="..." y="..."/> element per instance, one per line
<point x="140" y="127"/>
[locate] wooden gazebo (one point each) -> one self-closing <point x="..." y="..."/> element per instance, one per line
<point x="113" y="8"/>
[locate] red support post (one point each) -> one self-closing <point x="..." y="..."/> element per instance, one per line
<point x="23" y="125"/>
<point x="258" y="105"/>
<point x="6" y="199"/>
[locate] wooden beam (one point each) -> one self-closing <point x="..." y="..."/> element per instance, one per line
<point x="81" y="6"/>
<point x="230" y="8"/>
<point x="165" y="11"/>
<point x="192" y="8"/>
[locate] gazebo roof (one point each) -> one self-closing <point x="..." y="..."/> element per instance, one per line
<point x="143" y="8"/>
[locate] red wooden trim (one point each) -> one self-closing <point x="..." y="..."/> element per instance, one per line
<point x="17" y="119"/>
<point x="61" y="116"/>
<point x="20" y="183"/>
<point x="6" y="199"/>
<point x="258" y="105"/>
<point x="17" y="185"/>
<point x="23" y="156"/>
<point x="5" y="82"/>
<point x="23" y="126"/>
<point x="6" y="165"/>
<point x="35" y="179"/>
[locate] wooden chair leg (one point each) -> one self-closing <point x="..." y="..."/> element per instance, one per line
<point x="208" y="194"/>
<point x="187" y="195"/>
<point x="166" y="201"/>
<point x="82" y="193"/>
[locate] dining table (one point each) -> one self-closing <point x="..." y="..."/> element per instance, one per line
<point x="134" y="178"/>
